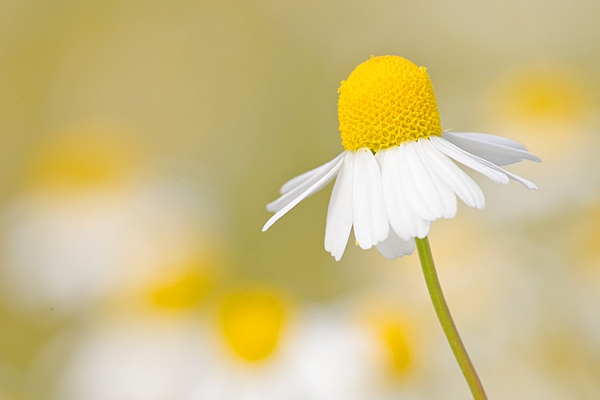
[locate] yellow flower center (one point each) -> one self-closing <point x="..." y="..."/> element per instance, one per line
<point x="386" y="100"/>
<point x="393" y="335"/>
<point x="251" y="322"/>
<point x="182" y="293"/>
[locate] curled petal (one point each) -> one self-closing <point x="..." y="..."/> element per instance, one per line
<point x="296" y="186"/>
<point x="300" y="179"/>
<point x="316" y="186"/>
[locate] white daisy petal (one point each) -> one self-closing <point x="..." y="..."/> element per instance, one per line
<point x="422" y="226"/>
<point x="368" y="209"/>
<point x="404" y="221"/>
<point x="446" y="195"/>
<point x="421" y="190"/>
<point x="498" y="150"/>
<point x="468" y="160"/>
<point x="310" y="190"/>
<point x="393" y="247"/>
<point x="500" y="140"/>
<point x="300" y="179"/>
<point x="485" y="165"/>
<point x="299" y="184"/>
<point x="528" y="184"/>
<point x="339" y="213"/>
<point x="458" y="180"/>
<point x="409" y="187"/>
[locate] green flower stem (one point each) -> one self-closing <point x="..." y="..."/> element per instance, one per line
<point x="443" y="313"/>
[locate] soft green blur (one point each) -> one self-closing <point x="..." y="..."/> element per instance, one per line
<point x="141" y="141"/>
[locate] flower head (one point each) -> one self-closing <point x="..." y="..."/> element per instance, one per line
<point x="395" y="176"/>
<point x="386" y="101"/>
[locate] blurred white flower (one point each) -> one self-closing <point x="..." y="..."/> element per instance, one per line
<point x="133" y="359"/>
<point x="258" y="346"/>
<point x="66" y="251"/>
<point x="87" y="229"/>
<point x="319" y="356"/>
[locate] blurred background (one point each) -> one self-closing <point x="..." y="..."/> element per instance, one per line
<point x="141" y="141"/>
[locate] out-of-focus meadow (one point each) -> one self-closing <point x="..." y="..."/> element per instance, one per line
<point x="141" y="140"/>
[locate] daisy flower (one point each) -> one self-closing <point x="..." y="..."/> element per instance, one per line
<point x="396" y="174"/>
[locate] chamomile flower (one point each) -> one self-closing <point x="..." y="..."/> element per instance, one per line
<point x="396" y="174"/>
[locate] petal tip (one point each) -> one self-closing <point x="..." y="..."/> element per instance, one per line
<point x="269" y="223"/>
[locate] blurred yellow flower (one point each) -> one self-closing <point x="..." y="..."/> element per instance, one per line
<point x="542" y="93"/>
<point x="545" y="103"/>
<point x="186" y="291"/>
<point x="83" y="156"/>
<point x="393" y="334"/>
<point x="554" y="107"/>
<point x="252" y="322"/>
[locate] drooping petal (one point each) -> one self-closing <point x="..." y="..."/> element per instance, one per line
<point x="495" y="149"/>
<point x="403" y="219"/>
<point x="527" y="183"/>
<point x="468" y="159"/>
<point x="299" y="184"/>
<point x="368" y="209"/>
<point x="500" y="140"/>
<point x="339" y="212"/>
<point x="393" y="247"/>
<point x="458" y="180"/>
<point x="446" y="207"/>
<point x="431" y="199"/>
<point x="300" y="179"/>
<point x="477" y="163"/>
<point x="316" y="186"/>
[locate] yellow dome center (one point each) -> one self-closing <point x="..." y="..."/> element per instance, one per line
<point x="386" y="100"/>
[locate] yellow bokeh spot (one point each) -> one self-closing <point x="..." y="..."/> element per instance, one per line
<point x="252" y="322"/>
<point x="581" y="241"/>
<point x="553" y="107"/>
<point x="185" y="292"/>
<point x="84" y="156"/>
<point x="393" y="332"/>
<point x="385" y="101"/>
<point x="394" y="337"/>
<point x="546" y="93"/>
